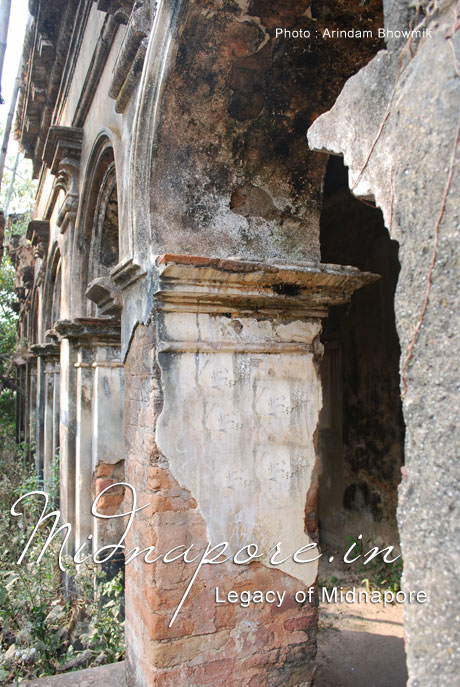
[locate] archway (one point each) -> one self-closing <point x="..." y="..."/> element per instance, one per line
<point x="361" y="430"/>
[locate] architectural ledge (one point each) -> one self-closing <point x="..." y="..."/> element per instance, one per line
<point x="193" y="283"/>
<point x="106" y="295"/>
<point x="62" y="142"/>
<point x="46" y="350"/>
<point x="38" y="231"/>
<point x="126" y="273"/>
<point x="128" y="67"/>
<point x="95" y="329"/>
<point x="120" y="9"/>
<point x="23" y="356"/>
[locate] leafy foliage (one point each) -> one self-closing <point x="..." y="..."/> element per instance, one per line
<point x="8" y="321"/>
<point x="24" y="187"/>
<point x="44" y="631"/>
<point x="21" y="201"/>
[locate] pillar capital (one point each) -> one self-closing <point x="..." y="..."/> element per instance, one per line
<point x="90" y="330"/>
<point x="233" y="335"/>
<point x="62" y="142"/>
<point x="46" y="350"/>
<point x="199" y="284"/>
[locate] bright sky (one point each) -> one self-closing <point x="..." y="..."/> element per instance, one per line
<point x="16" y="28"/>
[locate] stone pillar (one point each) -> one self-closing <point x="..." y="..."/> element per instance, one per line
<point x="99" y="441"/>
<point x="39" y="416"/>
<point x="32" y="403"/>
<point x="56" y="409"/>
<point x="83" y="443"/>
<point x="91" y="425"/>
<point x="20" y="401"/>
<point x="108" y="459"/>
<point x="67" y="429"/>
<point x="47" y="412"/>
<point x="224" y="450"/>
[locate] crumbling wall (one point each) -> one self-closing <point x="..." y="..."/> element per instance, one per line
<point x="222" y="164"/>
<point x="208" y="643"/>
<point x="397" y="125"/>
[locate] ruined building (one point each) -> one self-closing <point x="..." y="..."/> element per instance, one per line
<point x="187" y="317"/>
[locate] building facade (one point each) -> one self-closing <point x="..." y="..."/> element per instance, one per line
<point x="184" y="294"/>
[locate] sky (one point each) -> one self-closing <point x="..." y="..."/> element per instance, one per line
<point x="20" y="199"/>
<point x="18" y="20"/>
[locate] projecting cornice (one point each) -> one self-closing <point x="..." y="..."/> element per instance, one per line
<point x="62" y="142"/>
<point x="47" y="42"/>
<point x="46" y="350"/>
<point x="120" y="9"/>
<point x="90" y="329"/>
<point x="38" y="233"/>
<point x="199" y="284"/>
<point x="128" y="67"/>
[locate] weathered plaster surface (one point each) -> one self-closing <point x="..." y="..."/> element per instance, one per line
<point x="245" y="447"/>
<point x="242" y="393"/>
<point x="408" y="174"/>
<point x="208" y="642"/>
<point x="219" y="147"/>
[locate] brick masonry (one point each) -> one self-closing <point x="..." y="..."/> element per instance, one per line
<point x="208" y="644"/>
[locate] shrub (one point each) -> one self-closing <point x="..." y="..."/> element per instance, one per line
<point x="44" y="631"/>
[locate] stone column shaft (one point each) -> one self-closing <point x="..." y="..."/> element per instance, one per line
<point x="67" y="433"/>
<point x="83" y="444"/>
<point x="91" y="423"/>
<point x="39" y="418"/>
<point x="47" y="364"/>
<point x="108" y="441"/>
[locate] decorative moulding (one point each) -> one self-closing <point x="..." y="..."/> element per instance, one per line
<point x="106" y="295"/>
<point x="46" y="350"/>
<point x="62" y="142"/>
<point x="38" y="233"/>
<point x="90" y="329"/>
<point x="126" y="273"/>
<point x="128" y="66"/>
<point x="120" y="9"/>
<point x="200" y="284"/>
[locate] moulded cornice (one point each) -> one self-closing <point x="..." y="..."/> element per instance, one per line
<point x="62" y="142"/>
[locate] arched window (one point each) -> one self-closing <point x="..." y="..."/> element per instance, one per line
<point x="52" y="291"/>
<point x="100" y="244"/>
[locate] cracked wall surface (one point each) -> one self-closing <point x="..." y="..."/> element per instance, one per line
<point x="208" y="643"/>
<point x="413" y="175"/>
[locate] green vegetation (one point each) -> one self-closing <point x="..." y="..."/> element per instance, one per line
<point x="44" y="631"/>
<point x="7" y="346"/>
<point x="380" y="576"/>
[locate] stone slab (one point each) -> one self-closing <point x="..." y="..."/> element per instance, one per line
<point x="112" y="675"/>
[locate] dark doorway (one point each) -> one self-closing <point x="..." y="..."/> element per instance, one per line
<point x="361" y="437"/>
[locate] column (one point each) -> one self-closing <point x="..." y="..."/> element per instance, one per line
<point x="223" y="395"/>
<point x="32" y="402"/>
<point x="83" y="442"/>
<point x="47" y="426"/>
<point x="67" y="429"/>
<point x="108" y="459"/>
<point x="91" y="441"/>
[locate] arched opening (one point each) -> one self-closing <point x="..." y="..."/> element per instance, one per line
<point x="56" y="300"/>
<point x="99" y="457"/>
<point x="361" y="428"/>
<point x="52" y="293"/>
<point x="50" y="374"/>
<point x="97" y="240"/>
<point x="104" y="249"/>
<point x="361" y="431"/>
